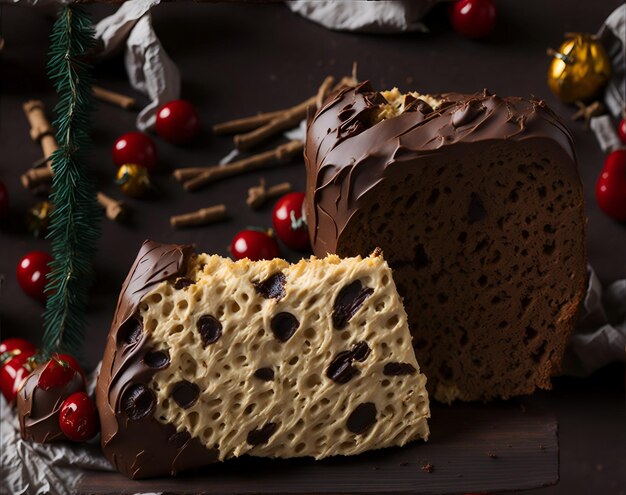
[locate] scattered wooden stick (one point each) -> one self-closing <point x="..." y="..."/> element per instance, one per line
<point x="322" y="93"/>
<point x="113" y="209"/>
<point x="246" y="123"/>
<point x="281" y="154"/>
<point x="42" y="132"/>
<point x="258" y="195"/>
<point x="287" y="120"/>
<point x="114" y="98"/>
<point x="586" y="112"/>
<point x="184" y="174"/>
<point x="201" y="217"/>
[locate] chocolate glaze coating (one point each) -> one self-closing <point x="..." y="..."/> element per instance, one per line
<point x="38" y="409"/>
<point x="342" y="173"/>
<point x="144" y="447"/>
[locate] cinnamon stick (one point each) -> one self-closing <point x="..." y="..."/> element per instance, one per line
<point x="322" y="93"/>
<point x="117" y="99"/>
<point x="184" y="174"/>
<point x="258" y="195"/>
<point x="41" y="131"/>
<point x="246" y="123"/>
<point x="281" y="154"/>
<point x="201" y="217"/>
<point x="113" y="209"/>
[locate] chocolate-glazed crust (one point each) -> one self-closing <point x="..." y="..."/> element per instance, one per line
<point x="346" y="156"/>
<point x="125" y="380"/>
<point x="38" y="409"/>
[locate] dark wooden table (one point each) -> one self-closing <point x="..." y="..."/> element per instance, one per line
<point x="236" y="60"/>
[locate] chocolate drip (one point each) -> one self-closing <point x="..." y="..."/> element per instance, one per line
<point x="140" y="446"/>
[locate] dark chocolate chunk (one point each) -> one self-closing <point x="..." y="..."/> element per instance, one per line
<point x="362" y="418"/>
<point x="466" y="113"/>
<point x="179" y="439"/>
<point x="156" y="359"/>
<point x="396" y="369"/>
<point x="265" y="374"/>
<point x="182" y="282"/>
<point x="341" y="369"/>
<point x="138" y="401"/>
<point x="273" y="287"/>
<point x="130" y="332"/>
<point x="284" y="325"/>
<point x="261" y="435"/>
<point x="348" y="302"/>
<point x="210" y="329"/>
<point x="476" y="211"/>
<point x="185" y="394"/>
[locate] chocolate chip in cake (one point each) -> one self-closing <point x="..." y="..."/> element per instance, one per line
<point x="138" y="401"/>
<point x="348" y="302"/>
<point x="284" y="325"/>
<point x="210" y="329"/>
<point x="476" y="211"/>
<point x="273" y="287"/>
<point x="362" y="418"/>
<point x="130" y="332"/>
<point x="156" y="359"/>
<point x="396" y="369"/>
<point x="182" y="282"/>
<point x="265" y="374"/>
<point x="341" y="369"/>
<point x="261" y="435"/>
<point x="179" y="439"/>
<point x="185" y="394"/>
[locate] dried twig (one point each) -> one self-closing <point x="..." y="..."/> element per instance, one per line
<point x="201" y="217"/>
<point x="586" y="112"/>
<point x="42" y="132"/>
<point x="246" y="123"/>
<point x="258" y="195"/>
<point x="113" y="209"/>
<point x="322" y="93"/>
<point x="117" y="99"/>
<point x="281" y="154"/>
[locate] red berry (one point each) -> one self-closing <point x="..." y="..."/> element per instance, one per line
<point x="59" y="371"/>
<point x="78" y="418"/>
<point x="177" y="122"/>
<point x="621" y="130"/>
<point x="611" y="186"/>
<point x="289" y="224"/>
<point x="473" y="18"/>
<point x="13" y="373"/>
<point x="137" y="148"/>
<point x="4" y="200"/>
<point x="10" y="348"/>
<point x="254" y="245"/>
<point x="32" y="271"/>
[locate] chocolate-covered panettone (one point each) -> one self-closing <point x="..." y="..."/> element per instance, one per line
<point x="477" y="204"/>
<point x="209" y="359"/>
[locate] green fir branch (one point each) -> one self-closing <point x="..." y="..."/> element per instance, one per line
<point x="75" y="220"/>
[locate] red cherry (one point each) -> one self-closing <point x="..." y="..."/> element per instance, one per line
<point x="13" y="373"/>
<point x="4" y="200"/>
<point x="59" y="371"/>
<point x="289" y="224"/>
<point x="473" y="18"/>
<point x="78" y="418"/>
<point x="10" y="348"/>
<point x="254" y="245"/>
<point x="32" y="271"/>
<point x="611" y="186"/>
<point x="621" y="130"/>
<point x="177" y="122"/>
<point x="137" y="148"/>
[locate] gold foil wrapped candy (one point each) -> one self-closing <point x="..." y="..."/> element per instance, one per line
<point x="38" y="218"/>
<point x="579" y="69"/>
<point x="133" y="180"/>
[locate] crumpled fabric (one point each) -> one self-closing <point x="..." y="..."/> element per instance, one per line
<point x="600" y="335"/>
<point x="29" y="468"/>
<point x="612" y="35"/>
<point x="150" y="69"/>
<point x="365" y="16"/>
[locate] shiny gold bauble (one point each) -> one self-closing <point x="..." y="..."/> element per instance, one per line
<point x="579" y="69"/>
<point x="38" y="218"/>
<point x="133" y="180"/>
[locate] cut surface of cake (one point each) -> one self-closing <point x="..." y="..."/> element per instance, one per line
<point x="477" y="204"/>
<point x="209" y="359"/>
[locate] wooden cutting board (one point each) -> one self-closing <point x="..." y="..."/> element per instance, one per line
<point x="474" y="448"/>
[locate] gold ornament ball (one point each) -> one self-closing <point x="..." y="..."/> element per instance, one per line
<point x="38" y="218"/>
<point x="579" y="69"/>
<point x="133" y="180"/>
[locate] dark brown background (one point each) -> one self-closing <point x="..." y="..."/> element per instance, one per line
<point x="238" y="59"/>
